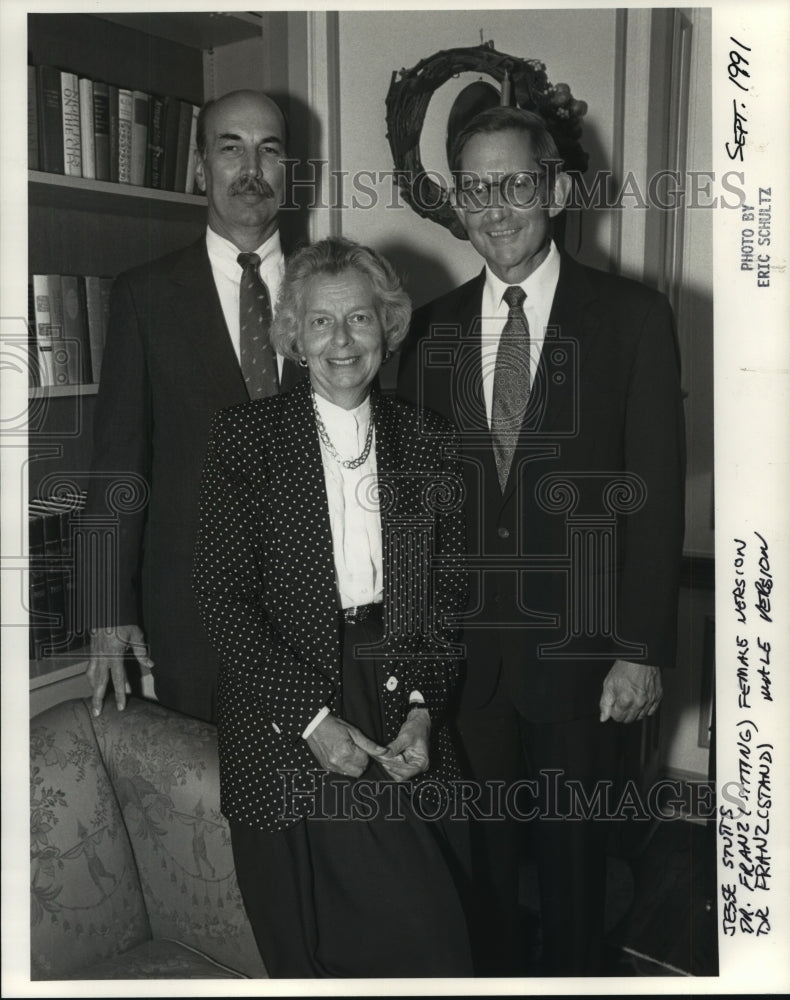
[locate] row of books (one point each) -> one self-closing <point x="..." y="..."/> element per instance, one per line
<point x="68" y="327"/>
<point x="52" y="584"/>
<point x="87" y="128"/>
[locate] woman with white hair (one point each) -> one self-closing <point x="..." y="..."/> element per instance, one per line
<point x="328" y="571"/>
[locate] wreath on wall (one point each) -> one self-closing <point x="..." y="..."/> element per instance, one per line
<point x="523" y="83"/>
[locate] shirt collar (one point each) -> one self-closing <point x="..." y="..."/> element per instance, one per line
<point x="539" y="286"/>
<point x="225" y="254"/>
<point x="337" y="416"/>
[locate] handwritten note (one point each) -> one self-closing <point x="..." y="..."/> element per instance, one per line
<point x="744" y="820"/>
<point x="739" y="74"/>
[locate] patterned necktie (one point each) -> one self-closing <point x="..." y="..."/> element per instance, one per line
<point x="258" y="361"/>
<point x="511" y="383"/>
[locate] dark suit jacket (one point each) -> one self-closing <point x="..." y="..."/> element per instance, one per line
<point x="605" y="406"/>
<point x="168" y="366"/>
<point x="265" y="583"/>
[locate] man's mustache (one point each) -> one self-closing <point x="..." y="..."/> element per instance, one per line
<point x="252" y="185"/>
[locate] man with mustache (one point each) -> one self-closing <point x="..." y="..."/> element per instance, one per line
<point x="174" y="355"/>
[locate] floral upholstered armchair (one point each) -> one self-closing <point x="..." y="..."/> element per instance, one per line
<point x="131" y="869"/>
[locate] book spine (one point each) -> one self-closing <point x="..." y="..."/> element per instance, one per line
<point x="58" y="512"/>
<point x="71" y="634"/>
<point x="56" y="580"/>
<point x="156" y="148"/>
<point x="93" y="309"/>
<point x="50" y="120"/>
<point x="124" y="136"/>
<point x="172" y="112"/>
<point x="87" y="139"/>
<point x="72" y="142"/>
<point x="32" y="119"/>
<point x="85" y="336"/>
<point x="106" y="289"/>
<point x="189" y="187"/>
<point x="182" y="146"/>
<point x="42" y="321"/>
<point x="112" y="111"/>
<point x="101" y="129"/>
<point x="38" y="603"/>
<point x="33" y="366"/>
<point x="75" y="331"/>
<point x="60" y="357"/>
<point x="140" y="112"/>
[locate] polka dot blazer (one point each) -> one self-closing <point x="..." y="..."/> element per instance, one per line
<point x="265" y="584"/>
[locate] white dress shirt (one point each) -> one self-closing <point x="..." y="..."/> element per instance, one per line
<point x="539" y="287"/>
<point x="223" y="257"/>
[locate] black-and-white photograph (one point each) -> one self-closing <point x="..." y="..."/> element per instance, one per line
<point x="394" y="438"/>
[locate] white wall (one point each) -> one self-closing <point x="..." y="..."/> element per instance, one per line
<point x="577" y="47"/>
<point x="695" y="305"/>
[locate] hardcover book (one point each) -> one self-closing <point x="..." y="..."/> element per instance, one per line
<point x="139" y="152"/>
<point x="182" y="146"/>
<point x="87" y="139"/>
<point x="96" y="331"/>
<point x="112" y="111"/>
<point x="72" y="139"/>
<point x="101" y="129"/>
<point x="172" y="112"/>
<point x="57" y="513"/>
<point x="75" y="331"/>
<point x="189" y="187"/>
<point x="50" y="120"/>
<point x="156" y="142"/>
<point x="42" y="325"/>
<point x="125" y="114"/>
<point x="38" y="599"/>
<point x="106" y="289"/>
<point x="55" y="573"/>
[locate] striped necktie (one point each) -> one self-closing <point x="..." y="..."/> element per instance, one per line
<point x="511" y="383"/>
<point x="257" y="359"/>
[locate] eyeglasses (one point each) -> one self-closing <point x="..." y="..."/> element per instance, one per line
<point x="472" y="194"/>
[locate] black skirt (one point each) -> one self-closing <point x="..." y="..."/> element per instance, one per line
<point x="364" y="889"/>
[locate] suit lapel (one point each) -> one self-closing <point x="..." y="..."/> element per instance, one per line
<point x="196" y="302"/>
<point x="388" y="442"/>
<point x="307" y="476"/>
<point x="572" y="319"/>
<point x="555" y="396"/>
<point x="298" y="487"/>
<point x="199" y="310"/>
<point x="468" y="400"/>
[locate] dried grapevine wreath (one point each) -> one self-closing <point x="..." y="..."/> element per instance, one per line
<point x="410" y="94"/>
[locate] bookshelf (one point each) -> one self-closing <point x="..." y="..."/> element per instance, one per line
<point x="61" y="192"/>
<point x="59" y="391"/>
<point x="81" y="226"/>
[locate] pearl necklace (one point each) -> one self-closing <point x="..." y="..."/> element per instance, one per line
<point x="348" y="463"/>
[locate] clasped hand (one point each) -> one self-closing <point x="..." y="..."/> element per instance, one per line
<point x="344" y="749"/>
<point x="631" y="691"/>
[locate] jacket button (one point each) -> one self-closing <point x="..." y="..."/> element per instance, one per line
<point x="392" y="683"/>
<point x="503" y="532"/>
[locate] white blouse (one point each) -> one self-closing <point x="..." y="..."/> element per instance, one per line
<point x="353" y="505"/>
<point x="354" y="516"/>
